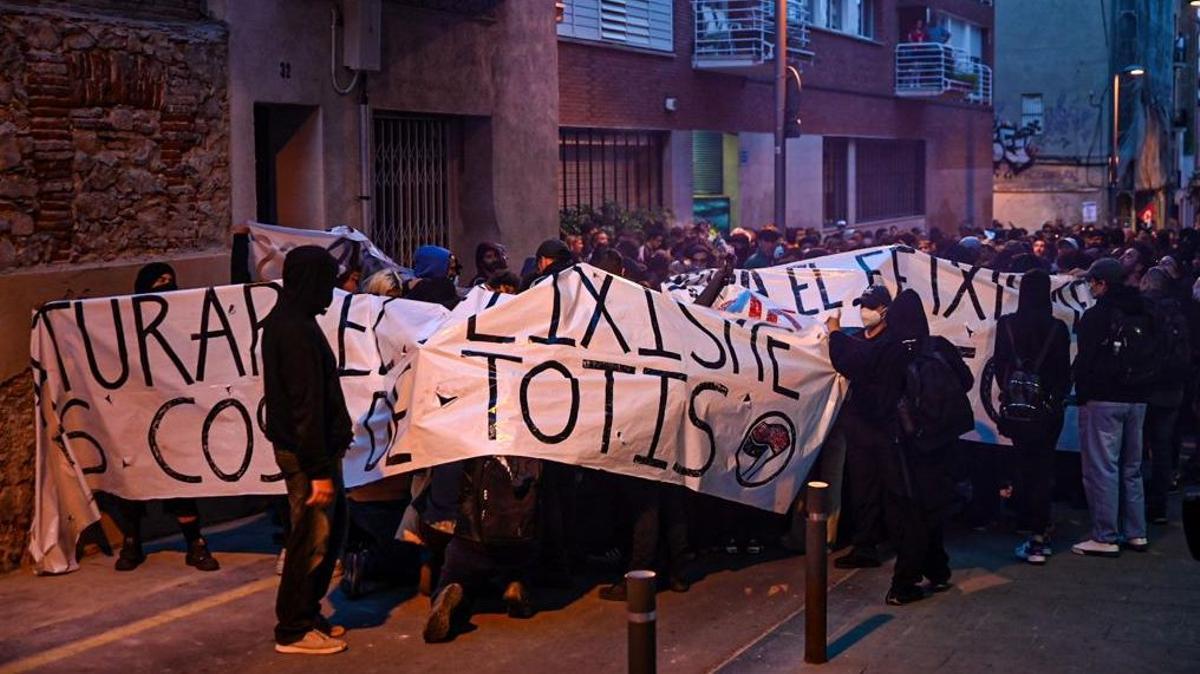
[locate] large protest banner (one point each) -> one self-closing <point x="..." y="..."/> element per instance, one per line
<point x="160" y="395"/>
<point x="269" y="244"/>
<point x="962" y="304"/>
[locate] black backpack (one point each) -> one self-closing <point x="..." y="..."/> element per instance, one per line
<point x="506" y="490"/>
<point x="1130" y="350"/>
<point x="1174" y="351"/>
<point x="1024" y="399"/>
<point x="933" y="408"/>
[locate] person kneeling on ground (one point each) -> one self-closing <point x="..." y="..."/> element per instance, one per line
<point x="496" y="536"/>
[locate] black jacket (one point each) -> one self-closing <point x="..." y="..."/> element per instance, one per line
<point x="858" y="359"/>
<point x="1091" y="382"/>
<point x="305" y="411"/>
<point x="1023" y="335"/>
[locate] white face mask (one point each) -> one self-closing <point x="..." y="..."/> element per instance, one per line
<point x="870" y="317"/>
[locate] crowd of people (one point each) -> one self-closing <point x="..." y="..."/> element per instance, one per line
<point x="506" y="525"/>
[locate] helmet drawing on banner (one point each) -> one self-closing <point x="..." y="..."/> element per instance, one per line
<point x="766" y="450"/>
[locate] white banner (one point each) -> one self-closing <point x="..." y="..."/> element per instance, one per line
<point x="962" y="304"/>
<point x="352" y="249"/>
<point x="157" y="396"/>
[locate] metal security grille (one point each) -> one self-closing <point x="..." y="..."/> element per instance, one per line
<point x="412" y="184"/>
<point x="600" y="165"/>
<point x="890" y="178"/>
<point x="835" y="165"/>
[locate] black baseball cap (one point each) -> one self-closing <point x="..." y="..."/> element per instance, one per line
<point x="875" y="296"/>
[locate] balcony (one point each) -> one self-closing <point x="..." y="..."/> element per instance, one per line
<point x="738" y="36"/>
<point x="932" y="69"/>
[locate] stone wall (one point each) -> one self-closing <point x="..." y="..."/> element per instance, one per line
<point x="114" y="147"/>
<point x="113" y="137"/>
<point x="16" y="468"/>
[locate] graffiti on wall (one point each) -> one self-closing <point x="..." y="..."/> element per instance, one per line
<point x="1013" y="147"/>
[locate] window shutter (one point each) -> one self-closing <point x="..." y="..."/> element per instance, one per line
<point x="708" y="175"/>
<point x="637" y="23"/>
<point x="581" y="20"/>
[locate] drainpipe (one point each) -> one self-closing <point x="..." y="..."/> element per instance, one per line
<point x="364" y="159"/>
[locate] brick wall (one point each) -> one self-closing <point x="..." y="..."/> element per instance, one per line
<point x="113" y="138"/>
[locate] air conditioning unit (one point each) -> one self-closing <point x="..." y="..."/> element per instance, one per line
<point x="362" y="28"/>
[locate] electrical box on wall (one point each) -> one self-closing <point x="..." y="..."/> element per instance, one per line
<point x="362" y="28"/>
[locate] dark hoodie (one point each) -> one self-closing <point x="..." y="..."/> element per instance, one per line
<point x="1093" y="380"/>
<point x="1030" y="327"/>
<point x="909" y="333"/>
<point x="485" y="271"/>
<point x="431" y="264"/>
<point x="305" y="411"/>
<point x="147" y="275"/>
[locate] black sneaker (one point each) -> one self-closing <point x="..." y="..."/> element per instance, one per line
<point x="131" y="556"/>
<point x="199" y="557"/>
<point x="899" y="596"/>
<point x="354" y="574"/>
<point x="441" y="613"/>
<point x="516" y="597"/>
<point x="857" y="559"/>
<point x="939" y="586"/>
<point x="614" y="592"/>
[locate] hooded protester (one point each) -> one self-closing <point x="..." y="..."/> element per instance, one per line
<point x="1033" y="342"/>
<point x="436" y="269"/>
<point x="1166" y="399"/>
<point x="865" y="430"/>
<point x="159" y="277"/>
<point x="490" y="259"/>
<point x="917" y="489"/>
<point x="309" y="428"/>
<point x="552" y="257"/>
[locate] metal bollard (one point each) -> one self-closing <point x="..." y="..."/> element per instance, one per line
<point x="816" y="575"/>
<point x="643" y="647"/>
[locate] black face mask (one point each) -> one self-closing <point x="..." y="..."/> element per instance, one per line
<point x="148" y="275"/>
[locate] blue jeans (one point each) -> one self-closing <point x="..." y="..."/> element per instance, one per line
<point x="1111" y="435"/>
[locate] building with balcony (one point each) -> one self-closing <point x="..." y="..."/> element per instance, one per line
<point x="896" y="128"/>
<point x="1053" y="140"/>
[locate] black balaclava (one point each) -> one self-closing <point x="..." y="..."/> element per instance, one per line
<point x="906" y="317"/>
<point x="147" y="275"/>
<point x="500" y="264"/>
<point x="1033" y="300"/>
<point x="309" y="276"/>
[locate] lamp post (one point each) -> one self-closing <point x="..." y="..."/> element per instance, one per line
<point x="1114" y="157"/>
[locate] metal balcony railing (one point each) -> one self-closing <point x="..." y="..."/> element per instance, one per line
<point x="733" y="34"/>
<point x="934" y="69"/>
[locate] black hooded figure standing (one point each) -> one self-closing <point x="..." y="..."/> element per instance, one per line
<point x="1033" y="342"/>
<point x="917" y="488"/>
<point x="159" y="277"/>
<point x="309" y="427"/>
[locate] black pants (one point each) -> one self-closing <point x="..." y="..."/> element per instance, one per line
<point x="1035" y="478"/>
<point x="1157" y="456"/>
<point x="864" y="448"/>
<point x="655" y="510"/>
<point x="313" y="546"/>
<point x="559" y="542"/>
<point x="129" y="514"/>
<point x="471" y="564"/>
<point x="918" y="540"/>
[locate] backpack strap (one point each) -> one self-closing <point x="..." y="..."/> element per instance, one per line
<point x="1012" y="343"/>
<point x="1037" y="365"/>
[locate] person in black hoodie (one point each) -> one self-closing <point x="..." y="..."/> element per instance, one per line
<point x="1033" y="341"/>
<point x="307" y="423"/>
<point x="917" y="489"/>
<point x="159" y="277"/>
<point x="552" y="257"/>
<point x="867" y="436"/>
<point x="1165" y="400"/>
<point x="1114" y="375"/>
<point x="490" y="259"/>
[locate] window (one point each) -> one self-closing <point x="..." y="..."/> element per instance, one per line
<point x="835" y="164"/>
<point x="890" y="177"/>
<point x="599" y="165"/>
<point x="855" y="17"/>
<point x="708" y="170"/>
<point x="636" y="23"/>
<point x="965" y="36"/>
<point x="1031" y="111"/>
<point x="412" y="182"/>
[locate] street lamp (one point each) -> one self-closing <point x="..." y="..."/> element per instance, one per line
<point x="1114" y="149"/>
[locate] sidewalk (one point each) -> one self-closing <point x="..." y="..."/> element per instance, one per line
<point x="1137" y="613"/>
<point x="1132" y="614"/>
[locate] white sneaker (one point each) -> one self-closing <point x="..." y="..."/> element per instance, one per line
<point x="1138" y="544"/>
<point x="313" y="643"/>
<point x="1096" y="548"/>
<point x="279" y="562"/>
